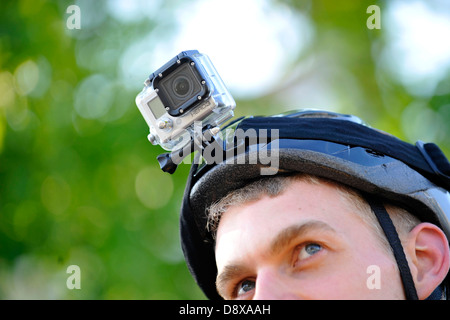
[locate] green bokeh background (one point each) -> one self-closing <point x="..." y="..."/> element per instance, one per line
<point x="79" y="183"/>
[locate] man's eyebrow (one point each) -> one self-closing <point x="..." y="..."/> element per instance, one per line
<point x="289" y="234"/>
<point x="229" y="272"/>
<point x="282" y="239"/>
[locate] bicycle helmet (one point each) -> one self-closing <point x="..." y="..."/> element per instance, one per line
<point x="329" y="145"/>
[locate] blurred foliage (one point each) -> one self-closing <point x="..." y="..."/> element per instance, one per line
<point x="79" y="183"/>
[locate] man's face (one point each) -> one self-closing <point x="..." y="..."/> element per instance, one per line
<point x="307" y="243"/>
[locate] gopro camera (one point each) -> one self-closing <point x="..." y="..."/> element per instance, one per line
<point x="185" y="90"/>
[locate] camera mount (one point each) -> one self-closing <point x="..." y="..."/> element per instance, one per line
<point x="169" y="161"/>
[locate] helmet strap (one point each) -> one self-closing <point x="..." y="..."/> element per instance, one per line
<point x="396" y="245"/>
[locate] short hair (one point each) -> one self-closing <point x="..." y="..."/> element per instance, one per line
<point x="273" y="186"/>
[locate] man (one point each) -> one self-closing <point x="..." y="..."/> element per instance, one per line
<point x="319" y="246"/>
<point x="350" y="213"/>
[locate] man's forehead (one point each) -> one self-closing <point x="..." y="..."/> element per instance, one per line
<point x="268" y="221"/>
<point x="300" y="197"/>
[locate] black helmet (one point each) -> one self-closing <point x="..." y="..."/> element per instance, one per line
<point x="326" y="144"/>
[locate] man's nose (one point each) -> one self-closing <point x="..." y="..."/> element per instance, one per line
<point x="273" y="285"/>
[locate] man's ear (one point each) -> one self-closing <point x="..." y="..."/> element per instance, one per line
<point x="428" y="253"/>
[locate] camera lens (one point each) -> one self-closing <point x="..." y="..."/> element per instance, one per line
<point x="179" y="88"/>
<point x="182" y="86"/>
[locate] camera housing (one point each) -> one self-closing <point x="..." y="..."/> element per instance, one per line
<point x="185" y="90"/>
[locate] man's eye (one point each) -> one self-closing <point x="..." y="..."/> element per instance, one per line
<point x="309" y="250"/>
<point x="245" y="286"/>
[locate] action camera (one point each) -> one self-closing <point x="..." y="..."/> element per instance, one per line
<point x="185" y="90"/>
